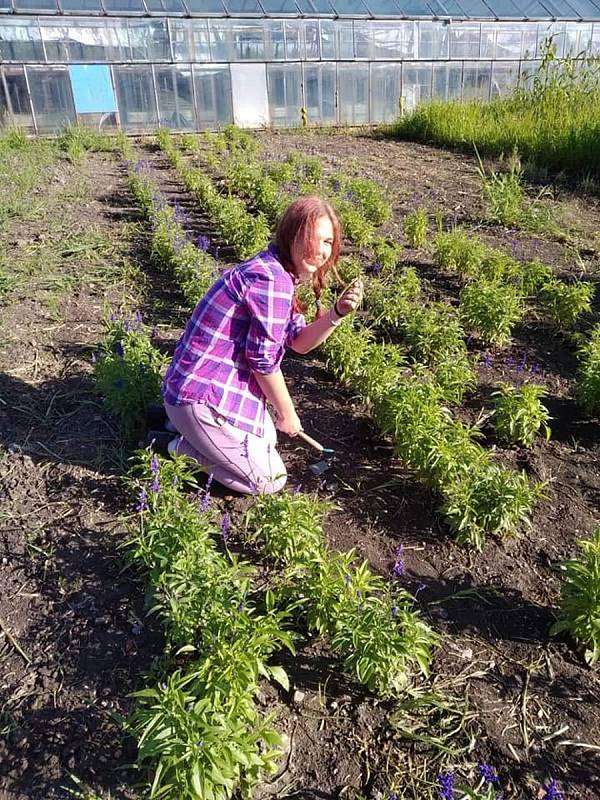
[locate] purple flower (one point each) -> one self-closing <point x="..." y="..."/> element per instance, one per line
<point x="138" y="319"/>
<point x="203" y="243"/>
<point x="552" y="792"/>
<point x="119" y="349"/>
<point x="446" y="781"/>
<point x="510" y="361"/>
<point x="399" y="565"/>
<point x="375" y="270"/>
<point x="217" y="249"/>
<point x="175" y="481"/>
<point x="298" y="489"/>
<point x="113" y="316"/>
<point x="154" y="465"/>
<point x="143" y="503"/>
<point x="394" y="611"/>
<point x="487" y="360"/>
<point x="488" y="774"/>
<point x="120" y="384"/>
<point x="205" y="502"/>
<point x="392" y="796"/>
<point x="225" y="527"/>
<point x="94" y="359"/>
<point x="241" y="607"/>
<point x="127" y="326"/>
<point x="347" y="579"/>
<point x="155" y="486"/>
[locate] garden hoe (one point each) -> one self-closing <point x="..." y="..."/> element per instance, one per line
<point x="321" y="466"/>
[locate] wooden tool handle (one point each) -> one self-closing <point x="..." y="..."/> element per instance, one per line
<point x="312" y="442"/>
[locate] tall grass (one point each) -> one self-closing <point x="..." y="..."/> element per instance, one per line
<point x="552" y="118"/>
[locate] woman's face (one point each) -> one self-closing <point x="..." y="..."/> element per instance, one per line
<point x="308" y="259"/>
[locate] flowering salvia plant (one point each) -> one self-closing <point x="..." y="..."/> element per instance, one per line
<point x="588" y="374"/>
<point x="519" y="414"/>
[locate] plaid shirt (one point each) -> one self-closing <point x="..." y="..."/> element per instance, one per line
<point x="241" y="326"/>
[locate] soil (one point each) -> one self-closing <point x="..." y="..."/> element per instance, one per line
<point x="514" y="696"/>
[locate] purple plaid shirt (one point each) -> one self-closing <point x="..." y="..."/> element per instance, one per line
<point x="242" y="325"/>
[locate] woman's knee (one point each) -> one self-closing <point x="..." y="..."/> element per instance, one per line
<point x="274" y="484"/>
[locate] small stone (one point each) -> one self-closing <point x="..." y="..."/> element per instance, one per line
<point x="299" y="697"/>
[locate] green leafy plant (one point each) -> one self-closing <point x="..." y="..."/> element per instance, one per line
<point x="565" y="302"/>
<point x="387" y="253"/>
<point x="491" y="310"/>
<point x="519" y="415"/>
<point x="456" y="251"/>
<point x="369" y="197"/>
<point x="579" y="613"/>
<point x="415" y="227"/>
<point x="587" y="389"/>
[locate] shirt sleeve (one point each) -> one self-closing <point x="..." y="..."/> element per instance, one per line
<point x="269" y="307"/>
<point x="296" y="324"/>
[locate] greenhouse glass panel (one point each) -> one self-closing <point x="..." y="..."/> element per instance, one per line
<point x="475" y="8"/>
<point x="578" y="38"/>
<point x="293" y="40"/>
<point x="5" y="6"/>
<point x="384" y="8"/>
<point x="323" y="8"/>
<point x="237" y="40"/>
<point x="79" y="6"/>
<point x="419" y="8"/>
<point x="86" y="40"/>
<point x="320" y="93"/>
<point x="416" y="84"/>
<point x="243" y="7"/>
<point x="533" y="9"/>
<point x="554" y="32"/>
<point x="181" y="38"/>
<point x="528" y="70"/>
<point x="585" y="8"/>
<point x="595" y="42"/>
<point x="433" y="40"/>
<point x="20" y="40"/>
<point x="505" y="9"/>
<point x="385" y="92"/>
<point x="284" y="83"/>
<point x="47" y="6"/>
<point x="337" y="39"/>
<point x="501" y="41"/>
<point x="276" y="7"/>
<point x="148" y="40"/>
<point x="350" y="8"/>
<point x="529" y="40"/>
<point x="353" y="88"/>
<point x="213" y="96"/>
<point x="476" y="81"/>
<point x="202" y="8"/>
<point x="504" y="78"/>
<point x="175" y="98"/>
<point x="200" y="40"/>
<point x="464" y="41"/>
<point x="388" y="41"/>
<point x="312" y="37"/>
<point x="363" y="39"/>
<point x="446" y="81"/>
<point x="51" y="98"/>
<point x="124" y="6"/>
<point x="13" y="88"/>
<point x="274" y="40"/>
<point x="165" y="6"/>
<point x="136" y="98"/>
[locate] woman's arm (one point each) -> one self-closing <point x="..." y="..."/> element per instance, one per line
<point x="314" y="334"/>
<point x="275" y="390"/>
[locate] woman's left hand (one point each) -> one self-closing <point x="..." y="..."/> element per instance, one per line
<point x="351" y="297"/>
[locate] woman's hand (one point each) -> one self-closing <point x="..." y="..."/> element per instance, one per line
<point x="350" y="298"/>
<point x="289" y="423"/>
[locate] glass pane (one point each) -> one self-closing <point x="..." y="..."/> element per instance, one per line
<point x="148" y="40"/>
<point x="274" y="39"/>
<point x="392" y="40"/>
<point x="136" y="99"/>
<point x="165" y="6"/>
<point x="175" y="98"/>
<point x="279" y="6"/>
<point x="505" y="9"/>
<point x="384" y="8"/>
<point x="433" y="40"/>
<point x="322" y="7"/>
<point x="14" y="97"/>
<point x="446" y="81"/>
<point x="20" y="40"/>
<point x="343" y="37"/>
<point x="353" y="87"/>
<point x="89" y="6"/>
<point x="464" y="41"/>
<point x="533" y="9"/>
<point x="529" y="40"/>
<point x="476" y="81"/>
<point x="237" y="40"/>
<point x="293" y="40"/>
<point x="385" y="92"/>
<point x="203" y="7"/>
<point x="319" y="93"/>
<point x="556" y="32"/>
<point x="475" y="8"/>
<point x="416" y="84"/>
<point x="200" y="43"/>
<point x="284" y="84"/>
<point x="585" y="8"/>
<point x="578" y="40"/>
<point x="504" y="78"/>
<point x="213" y="96"/>
<point x="5" y="5"/>
<point x="419" y="8"/>
<point x="92" y="40"/>
<point x="243" y="7"/>
<point x="51" y="97"/>
<point x="350" y="8"/>
<point x="446" y="8"/>
<point x="124" y="6"/>
<point x="312" y="38"/>
<point x="47" y="6"/>
<point x="181" y="42"/>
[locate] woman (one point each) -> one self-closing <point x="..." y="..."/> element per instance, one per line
<point x="227" y="363"/>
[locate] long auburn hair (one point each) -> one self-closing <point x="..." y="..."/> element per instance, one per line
<point x="298" y="224"/>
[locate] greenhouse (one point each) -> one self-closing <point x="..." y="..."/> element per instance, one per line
<point x="196" y="64"/>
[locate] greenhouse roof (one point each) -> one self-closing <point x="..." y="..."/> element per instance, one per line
<point x="349" y="9"/>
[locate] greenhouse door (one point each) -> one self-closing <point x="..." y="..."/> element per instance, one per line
<point x="249" y="93"/>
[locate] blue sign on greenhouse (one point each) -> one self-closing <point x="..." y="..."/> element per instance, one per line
<point x="92" y="89"/>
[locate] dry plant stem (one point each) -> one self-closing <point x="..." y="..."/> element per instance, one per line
<point x="13" y="641"/>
